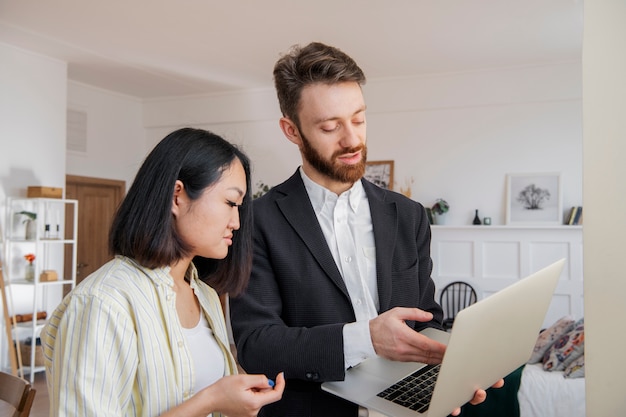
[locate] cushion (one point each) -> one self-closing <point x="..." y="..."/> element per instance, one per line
<point x="548" y="336"/>
<point x="565" y="349"/>
<point x="576" y="369"/>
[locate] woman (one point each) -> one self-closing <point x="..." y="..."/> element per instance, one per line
<point x="144" y="335"/>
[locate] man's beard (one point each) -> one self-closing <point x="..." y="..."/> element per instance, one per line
<point x="337" y="172"/>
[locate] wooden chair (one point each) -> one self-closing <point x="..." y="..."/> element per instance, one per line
<point x="18" y="393"/>
<point x="455" y="297"/>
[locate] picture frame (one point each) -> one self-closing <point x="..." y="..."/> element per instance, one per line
<point x="380" y="173"/>
<point x="534" y="199"/>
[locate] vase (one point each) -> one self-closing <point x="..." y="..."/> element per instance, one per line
<point x="439" y="219"/>
<point x="29" y="272"/>
<point x="476" y="218"/>
<point x="30" y="232"/>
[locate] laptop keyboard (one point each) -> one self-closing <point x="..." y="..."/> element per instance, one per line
<point x="415" y="390"/>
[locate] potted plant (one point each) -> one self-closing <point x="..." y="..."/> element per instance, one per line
<point x="439" y="209"/>
<point x="30" y="221"/>
<point x="261" y="190"/>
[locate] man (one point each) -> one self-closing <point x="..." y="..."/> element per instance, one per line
<point x="341" y="268"/>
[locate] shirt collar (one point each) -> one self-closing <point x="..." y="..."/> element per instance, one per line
<point x="320" y="195"/>
<point x="161" y="275"/>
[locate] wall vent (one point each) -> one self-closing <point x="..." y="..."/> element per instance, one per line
<point x="76" y="130"/>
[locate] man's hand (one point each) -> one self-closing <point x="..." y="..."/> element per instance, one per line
<point x="394" y="340"/>
<point x="479" y="396"/>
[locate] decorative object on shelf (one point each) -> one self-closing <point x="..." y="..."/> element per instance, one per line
<point x="26" y="349"/>
<point x="48" y="275"/>
<point x="45" y="192"/>
<point x="476" y="218"/>
<point x="262" y="189"/>
<point x="575" y="216"/>
<point x="407" y="191"/>
<point x="30" y="231"/>
<point x="23" y="318"/>
<point x="29" y="272"/>
<point x="380" y="173"/>
<point x="534" y="199"/>
<point x="439" y="209"/>
<point x="487" y="221"/>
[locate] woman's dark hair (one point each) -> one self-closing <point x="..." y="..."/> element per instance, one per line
<point x="143" y="227"/>
<point x="311" y="64"/>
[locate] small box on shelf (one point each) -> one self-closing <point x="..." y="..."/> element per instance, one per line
<point x="48" y="275"/>
<point x="44" y="192"/>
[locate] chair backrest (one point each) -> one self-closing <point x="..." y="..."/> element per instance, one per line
<point x="454" y="297"/>
<point x="17" y="392"/>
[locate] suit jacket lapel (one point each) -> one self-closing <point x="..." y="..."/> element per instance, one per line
<point x="297" y="209"/>
<point x="385" y="224"/>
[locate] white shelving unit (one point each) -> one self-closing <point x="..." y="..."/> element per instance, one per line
<point x="53" y="249"/>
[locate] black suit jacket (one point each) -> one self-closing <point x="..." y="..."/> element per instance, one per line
<point x="291" y="317"/>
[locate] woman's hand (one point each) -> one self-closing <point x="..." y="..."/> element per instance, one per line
<point x="233" y="395"/>
<point x="244" y="395"/>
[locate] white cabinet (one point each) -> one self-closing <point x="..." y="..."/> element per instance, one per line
<point x="44" y="229"/>
<point x="493" y="257"/>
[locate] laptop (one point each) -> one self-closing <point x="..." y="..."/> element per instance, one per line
<point x="488" y="340"/>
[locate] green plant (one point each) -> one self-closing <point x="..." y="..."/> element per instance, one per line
<point x="262" y="189"/>
<point x="29" y="214"/>
<point x="441" y="206"/>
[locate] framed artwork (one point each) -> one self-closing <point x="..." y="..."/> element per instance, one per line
<point x="534" y="198"/>
<point x="380" y="173"/>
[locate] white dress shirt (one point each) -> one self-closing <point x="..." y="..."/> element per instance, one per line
<point x="346" y="222"/>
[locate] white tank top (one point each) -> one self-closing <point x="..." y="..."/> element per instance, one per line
<point x="206" y="355"/>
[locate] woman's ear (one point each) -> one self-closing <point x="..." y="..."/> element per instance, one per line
<point x="290" y="130"/>
<point x="178" y="198"/>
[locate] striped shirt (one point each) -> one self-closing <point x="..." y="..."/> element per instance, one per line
<point x="115" y="346"/>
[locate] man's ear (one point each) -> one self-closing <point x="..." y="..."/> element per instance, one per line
<point x="290" y="130"/>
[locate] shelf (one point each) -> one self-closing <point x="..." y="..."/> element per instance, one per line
<point x="42" y="240"/>
<point x="46" y="228"/>
<point x="22" y="281"/>
<point x="507" y="227"/>
<point x="27" y="324"/>
<point x="31" y="370"/>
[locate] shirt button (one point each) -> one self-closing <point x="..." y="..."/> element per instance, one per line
<point x="169" y="297"/>
<point x="180" y="344"/>
<point x="348" y="259"/>
<point x="359" y="302"/>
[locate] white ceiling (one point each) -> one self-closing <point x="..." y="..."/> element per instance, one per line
<point x="159" y="48"/>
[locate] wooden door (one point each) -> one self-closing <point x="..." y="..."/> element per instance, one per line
<point x="98" y="200"/>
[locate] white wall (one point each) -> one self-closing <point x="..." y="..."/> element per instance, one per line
<point x="32" y="121"/>
<point x="456" y="135"/>
<point x="604" y="93"/>
<point x="34" y="97"/>
<point x="33" y="91"/>
<point x="115" y="135"/>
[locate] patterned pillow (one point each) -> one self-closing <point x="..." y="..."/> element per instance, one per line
<point x="548" y="336"/>
<point x="565" y="349"/>
<point x="576" y="369"/>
